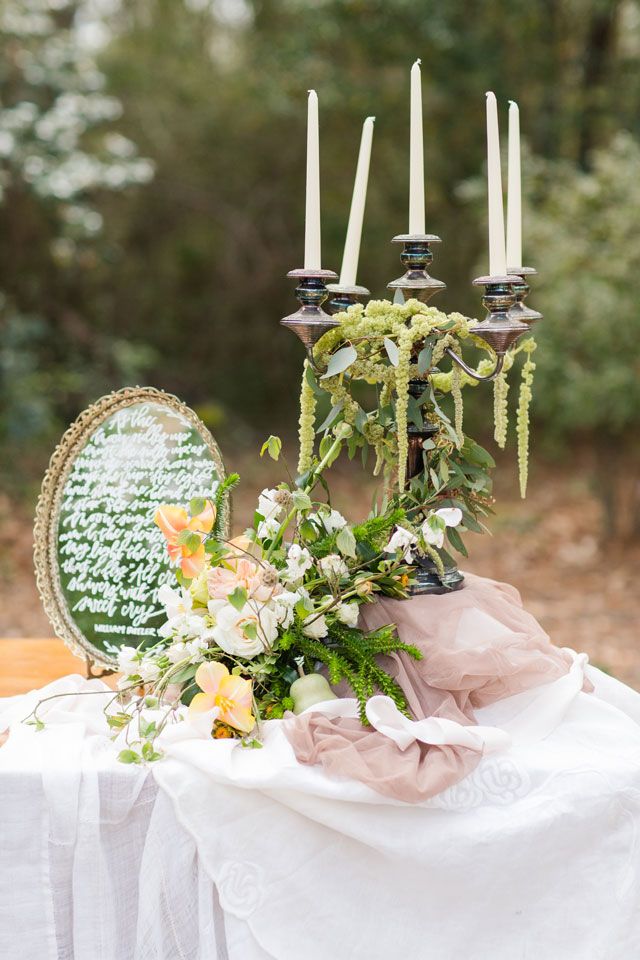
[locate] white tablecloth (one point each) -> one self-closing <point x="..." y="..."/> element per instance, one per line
<point x="220" y="852"/>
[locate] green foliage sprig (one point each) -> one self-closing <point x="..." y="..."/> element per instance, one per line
<point x="351" y="656"/>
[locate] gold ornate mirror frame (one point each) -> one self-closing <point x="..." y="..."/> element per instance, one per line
<point x="48" y="510"/>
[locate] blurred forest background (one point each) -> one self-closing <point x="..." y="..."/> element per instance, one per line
<point x="152" y="162"/>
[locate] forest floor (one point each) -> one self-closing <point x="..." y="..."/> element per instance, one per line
<point x="583" y="591"/>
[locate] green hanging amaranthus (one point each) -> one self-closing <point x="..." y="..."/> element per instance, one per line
<point x="385" y="345"/>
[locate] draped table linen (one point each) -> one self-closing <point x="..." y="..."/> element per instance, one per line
<point x="531" y="850"/>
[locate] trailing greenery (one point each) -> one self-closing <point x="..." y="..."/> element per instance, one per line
<point x="349" y="655"/>
<point x="383" y="346"/>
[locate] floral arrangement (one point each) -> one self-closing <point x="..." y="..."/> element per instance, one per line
<point x="253" y="618"/>
<point x="385" y="345"/>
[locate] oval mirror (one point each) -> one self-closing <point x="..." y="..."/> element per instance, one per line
<point x="99" y="556"/>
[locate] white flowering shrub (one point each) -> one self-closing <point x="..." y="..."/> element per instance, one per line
<point x="53" y="114"/>
<point x="59" y="154"/>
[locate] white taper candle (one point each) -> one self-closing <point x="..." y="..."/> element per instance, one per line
<point x="312" y="257"/>
<point x="497" y="253"/>
<point x="351" y="254"/>
<point x="416" y="155"/>
<point x="514" y="188"/>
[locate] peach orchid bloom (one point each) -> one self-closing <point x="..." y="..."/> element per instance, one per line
<point x="230" y="695"/>
<point x="172" y="520"/>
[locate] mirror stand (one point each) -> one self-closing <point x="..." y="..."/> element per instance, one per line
<point x="96" y="671"/>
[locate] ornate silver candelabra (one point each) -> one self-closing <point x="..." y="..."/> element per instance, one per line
<point x="507" y="319"/>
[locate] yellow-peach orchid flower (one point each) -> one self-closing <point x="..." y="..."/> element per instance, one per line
<point x="231" y="695"/>
<point x="172" y="520"/>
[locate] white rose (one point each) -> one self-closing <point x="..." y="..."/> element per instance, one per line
<point x="403" y="540"/>
<point x="229" y="631"/>
<point x="299" y="560"/>
<point x="333" y="566"/>
<point x="348" y="613"/>
<point x="316" y="627"/>
<point x="149" y="671"/>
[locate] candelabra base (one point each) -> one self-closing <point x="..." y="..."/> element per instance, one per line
<point x="429" y="581"/>
<point x="416" y="257"/>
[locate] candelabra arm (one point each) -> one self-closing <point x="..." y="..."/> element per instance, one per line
<point x="473" y="373"/>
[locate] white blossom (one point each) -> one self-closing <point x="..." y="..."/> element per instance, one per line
<point x="128" y="663"/>
<point x="348" y="613"/>
<point x="315" y="626"/>
<point x="333" y="566"/>
<point x="270" y="510"/>
<point x="434" y="526"/>
<point x="332" y="521"/>
<point x="231" y="625"/>
<point x="402" y="540"/>
<point x="299" y="560"/>
<point x="283" y="606"/>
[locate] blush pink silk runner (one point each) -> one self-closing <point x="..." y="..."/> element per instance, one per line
<point x="479" y="646"/>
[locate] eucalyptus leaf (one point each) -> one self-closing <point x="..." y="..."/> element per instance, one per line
<point x="414" y="413"/>
<point x="346" y="542"/>
<point x="340" y="361"/>
<point x="313" y="383"/>
<point x="424" y="358"/>
<point x="185" y="673"/>
<point x="331" y="417"/>
<point x="456" y="541"/>
<point x="392" y="351"/>
<point x="360" y="419"/>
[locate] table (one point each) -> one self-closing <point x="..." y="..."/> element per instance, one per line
<point x="30" y="662"/>
<point x="219" y="853"/>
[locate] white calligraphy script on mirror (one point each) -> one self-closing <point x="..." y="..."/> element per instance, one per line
<point x="100" y="558"/>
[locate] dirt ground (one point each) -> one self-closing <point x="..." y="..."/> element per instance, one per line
<point x="583" y="592"/>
